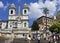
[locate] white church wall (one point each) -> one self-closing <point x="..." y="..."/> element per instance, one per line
<point x="12" y="17"/>
<point x="8" y="35"/>
<point x="9" y="25"/>
<point x="24" y="12"/>
<point x="12" y="24"/>
<point x="19" y="26"/>
<point x="20" y="36"/>
<point x="25" y="17"/>
<point x="13" y="12"/>
<point x="4" y="25"/>
<point x="27" y="24"/>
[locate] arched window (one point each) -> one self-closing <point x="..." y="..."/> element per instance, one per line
<point x="25" y="11"/>
<point x="24" y="24"/>
<point x="0" y="25"/>
<point x="11" y="11"/>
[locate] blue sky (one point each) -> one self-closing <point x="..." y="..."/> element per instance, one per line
<point x="35" y="8"/>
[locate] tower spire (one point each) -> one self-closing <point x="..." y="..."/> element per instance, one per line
<point x="19" y="11"/>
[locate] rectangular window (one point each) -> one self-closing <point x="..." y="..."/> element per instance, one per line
<point x="24" y="24"/>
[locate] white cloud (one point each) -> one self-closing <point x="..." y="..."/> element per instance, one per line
<point x="6" y="6"/>
<point x="1" y="4"/>
<point x="51" y="5"/>
<point x="36" y="9"/>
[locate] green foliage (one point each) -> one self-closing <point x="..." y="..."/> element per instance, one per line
<point x="45" y="11"/>
<point x="55" y="27"/>
<point x="58" y="16"/>
<point x="35" y="26"/>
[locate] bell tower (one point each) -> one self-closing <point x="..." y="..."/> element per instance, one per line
<point x="12" y="23"/>
<point x="25" y="16"/>
<point x="25" y="9"/>
<point x="12" y="11"/>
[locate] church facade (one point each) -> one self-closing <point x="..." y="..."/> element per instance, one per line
<point x="16" y="24"/>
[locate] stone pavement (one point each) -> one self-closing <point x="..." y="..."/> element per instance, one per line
<point x="18" y="40"/>
<point x="27" y="41"/>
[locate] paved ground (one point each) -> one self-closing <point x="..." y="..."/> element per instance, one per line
<point x="27" y="41"/>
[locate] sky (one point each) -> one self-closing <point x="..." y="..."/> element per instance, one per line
<point x="36" y="8"/>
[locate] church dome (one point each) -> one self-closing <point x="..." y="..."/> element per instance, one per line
<point x="12" y="6"/>
<point x="25" y="6"/>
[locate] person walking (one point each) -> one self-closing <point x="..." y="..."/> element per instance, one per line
<point x="49" y="39"/>
<point x="38" y="38"/>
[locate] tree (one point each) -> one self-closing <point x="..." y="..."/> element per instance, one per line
<point x="35" y="26"/>
<point x="58" y="16"/>
<point x="55" y="27"/>
<point x="46" y="11"/>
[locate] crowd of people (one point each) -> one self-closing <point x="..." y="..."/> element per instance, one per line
<point x="54" y="39"/>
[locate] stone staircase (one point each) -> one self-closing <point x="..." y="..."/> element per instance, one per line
<point x="9" y="40"/>
<point x="20" y="40"/>
<point x="17" y="40"/>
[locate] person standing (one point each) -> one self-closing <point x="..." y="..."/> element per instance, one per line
<point x="38" y="38"/>
<point x="29" y="38"/>
<point x="55" y="41"/>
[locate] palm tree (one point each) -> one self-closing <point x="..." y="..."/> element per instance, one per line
<point x="58" y="16"/>
<point x="46" y="11"/>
